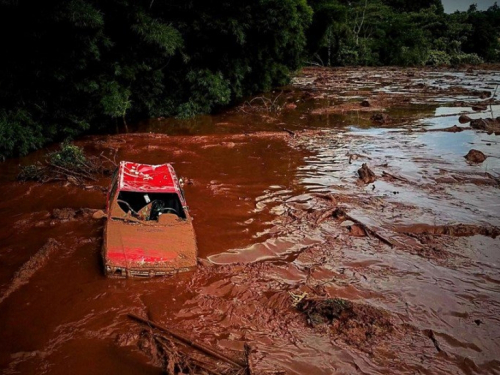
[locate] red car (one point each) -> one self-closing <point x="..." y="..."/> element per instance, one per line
<point x="149" y="231"/>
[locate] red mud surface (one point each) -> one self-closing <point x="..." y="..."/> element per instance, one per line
<point x="317" y="271"/>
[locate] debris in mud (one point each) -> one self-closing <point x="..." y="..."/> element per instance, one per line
<point x="264" y="104"/>
<point x="69" y="214"/>
<point x="69" y="164"/>
<point x="366" y="174"/>
<point x="463" y="119"/>
<point x="356" y="324"/>
<point x="361" y="231"/>
<point x="380" y="118"/>
<point x="430" y="334"/>
<point x="37" y="261"/>
<point x="356" y="157"/>
<point x="451" y="129"/>
<point x="170" y="351"/>
<point x="475" y="156"/>
<point x="479" y="107"/>
<point x="347" y="108"/>
<point x="459" y="230"/>
<point x="490" y="125"/>
<point x="357" y="231"/>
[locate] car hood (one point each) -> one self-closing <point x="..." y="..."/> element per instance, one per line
<point x="168" y="245"/>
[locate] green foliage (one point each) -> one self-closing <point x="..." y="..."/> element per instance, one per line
<point x="85" y="63"/>
<point x="466" y="59"/>
<point x="438" y="58"/>
<point x="69" y="156"/>
<point x="158" y="33"/>
<point x="207" y="89"/>
<point x="115" y="99"/>
<point x="399" y="32"/>
<point x="31" y="172"/>
<point x="19" y="133"/>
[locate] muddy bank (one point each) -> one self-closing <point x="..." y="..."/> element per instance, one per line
<point x="313" y="269"/>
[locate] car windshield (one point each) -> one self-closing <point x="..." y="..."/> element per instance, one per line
<point x="150" y="206"/>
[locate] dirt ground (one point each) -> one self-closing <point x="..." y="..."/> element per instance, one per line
<point x="341" y="229"/>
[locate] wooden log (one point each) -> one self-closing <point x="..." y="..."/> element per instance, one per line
<point x="200" y="347"/>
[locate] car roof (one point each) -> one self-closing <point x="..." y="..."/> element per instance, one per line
<point x="138" y="177"/>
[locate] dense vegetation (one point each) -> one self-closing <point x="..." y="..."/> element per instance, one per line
<point x="398" y="32"/>
<point x="70" y="66"/>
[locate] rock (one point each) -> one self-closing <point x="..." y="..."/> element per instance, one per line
<point x="347" y="223"/>
<point x="488" y="124"/>
<point x="365" y="103"/>
<point x="357" y="231"/>
<point x="475" y="156"/>
<point x="291" y="106"/>
<point x="99" y="214"/>
<point x="454" y="129"/>
<point x="380" y="118"/>
<point x="63" y="214"/>
<point x="479" y="107"/>
<point x="479" y="124"/>
<point x="366" y="175"/>
<point x="463" y="119"/>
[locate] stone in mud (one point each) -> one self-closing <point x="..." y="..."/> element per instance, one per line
<point x="366" y="174"/>
<point x="452" y="129"/>
<point x="357" y="231"/>
<point x="479" y="107"/>
<point x="485" y="94"/>
<point x="380" y="118"/>
<point x="463" y="119"/>
<point x="488" y="124"/>
<point x="63" y="214"/>
<point x="356" y="324"/>
<point x="475" y="156"/>
<point x="365" y="103"/>
<point x="479" y="124"/>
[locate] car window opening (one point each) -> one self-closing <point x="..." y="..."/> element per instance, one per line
<point x="149" y="206"/>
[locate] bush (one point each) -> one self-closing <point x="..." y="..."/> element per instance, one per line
<point x="466" y="59"/>
<point x="87" y="62"/>
<point x="19" y="133"/>
<point x="69" y="156"/>
<point x="438" y="58"/>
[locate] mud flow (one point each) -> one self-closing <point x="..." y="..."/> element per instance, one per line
<point x="340" y="229"/>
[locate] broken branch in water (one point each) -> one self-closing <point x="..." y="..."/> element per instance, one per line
<point x="289" y="132"/>
<point x="200" y="347"/>
<point x="71" y="164"/>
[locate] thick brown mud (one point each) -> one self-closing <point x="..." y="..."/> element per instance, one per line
<point x="304" y="268"/>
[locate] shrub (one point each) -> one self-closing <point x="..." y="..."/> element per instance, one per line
<point x="69" y="156"/>
<point x="438" y="58"/>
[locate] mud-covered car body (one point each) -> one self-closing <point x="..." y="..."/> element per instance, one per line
<point x="149" y="230"/>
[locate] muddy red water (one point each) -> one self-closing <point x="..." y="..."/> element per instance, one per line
<point x="281" y="216"/>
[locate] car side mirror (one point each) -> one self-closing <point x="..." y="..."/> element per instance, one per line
<point x="99" y="214"/>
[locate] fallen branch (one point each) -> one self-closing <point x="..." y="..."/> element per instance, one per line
<point x="187" y="341"/>
<point x="72" y="173"/>
<point x="394" y="177"/>
<point x="70" y="164"/>
<point x="327" y="214"/>
<point x="340" y="212"/>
